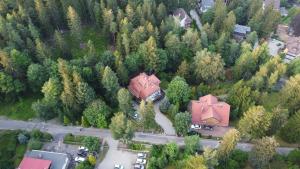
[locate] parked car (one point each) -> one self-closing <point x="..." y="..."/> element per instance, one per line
<point x="195" y="126"/>
<point x="83" y="148"/>
<point x="118" y="166"/>
<point x="138" y="166"/>
<point x="193" y="132"/>
<point x="79" y="159"/>
<point x="142" y="155"/>
<point x="206" y="127"/>
<point x="82" y="153"/>
<point x="141" y="161"/>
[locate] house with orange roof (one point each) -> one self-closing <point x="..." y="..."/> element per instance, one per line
<point x="209" y="111"/>
<point x="145" y="87"/>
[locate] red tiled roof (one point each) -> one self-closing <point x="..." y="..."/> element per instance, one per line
<point x="34" y="163"/>
<point x="207" y="108"/>
<point x="142" y="86"/>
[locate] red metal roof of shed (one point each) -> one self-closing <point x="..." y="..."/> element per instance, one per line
<point x="34" y="163"/>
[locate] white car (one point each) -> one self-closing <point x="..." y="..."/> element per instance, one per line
<point x="79" y="159"/>
<point x="141" y="161"/>
<point x="83" y="148"/>
<point x="138" y="166"/>
<point x="195" y="126"/>
<point x="118" y="166"/>
<point x="142" y="155"/>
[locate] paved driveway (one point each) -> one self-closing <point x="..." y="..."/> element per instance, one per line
<point x="163" y="121"/>
<point x="115" y="156"/>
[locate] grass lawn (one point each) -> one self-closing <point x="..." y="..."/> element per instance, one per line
<point x="271" y="101"/>
<point x="282" y="143"/>
<point x="11" y="153"/>
<point x="89" y="33"/>
<point x="19" y="110"/>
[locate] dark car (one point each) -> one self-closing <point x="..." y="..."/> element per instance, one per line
<point x="82" y="153"/>
<point x="206" y="127"/>
<point x="193" y="132"/>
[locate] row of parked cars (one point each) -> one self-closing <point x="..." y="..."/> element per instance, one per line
<point x="140" y="162"/>
<point x="204" y="127"/>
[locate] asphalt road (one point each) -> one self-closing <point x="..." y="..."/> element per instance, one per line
<point x="6" y="124"/>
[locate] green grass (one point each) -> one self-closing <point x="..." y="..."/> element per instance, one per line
<point x="19" y="110"/>
<point x="89" y="33"/>
<point x="271" y="100"/>
<point x="11" y="153"/>
<point x="286" y="20"/>
<point x="20" y="151"/>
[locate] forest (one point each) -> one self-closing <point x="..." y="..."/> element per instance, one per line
<point x="73" y="60"/>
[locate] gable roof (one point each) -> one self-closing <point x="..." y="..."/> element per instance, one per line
<point x="293" y="46"/>
<point x="58" y="160"/>
<point x="34" y="163"/>
<point x="208" y="107"/>
<point x="206" y="4"/>
<point x="184" y="18"/>
<point x="143" y="86"/>
<point x="241" y="29"/>
<point x="276" y="4"/>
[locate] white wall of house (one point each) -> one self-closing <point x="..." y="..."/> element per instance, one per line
<point x="153" y="96"/>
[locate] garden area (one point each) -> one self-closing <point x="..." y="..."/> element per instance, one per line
<point x="14" y="144"/>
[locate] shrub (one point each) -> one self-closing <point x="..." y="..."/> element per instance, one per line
<point x="47" y="137"/>
<point x="36" y="134"/>
<point x="92" y="143"/>
<point x="294" y="157"/>
<point x="92" y="160"/>
<point x="136" y="146"/>
<point x="22" y="138"/>
<point x="164" y="105"/>
<point x="34" y="144"/>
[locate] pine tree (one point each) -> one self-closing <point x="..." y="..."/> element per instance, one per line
<point x="55" y="13"/>
<point x="183" y="70"/>
<point x="43" y="15"/>
<point x="42" y="51"/>
<point x="110" y="83"/>
<point x="68" y="96"/>
<point x="61" y="44"/>
<point x="74" y="23"/>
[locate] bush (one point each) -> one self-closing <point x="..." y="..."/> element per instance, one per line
<point x="71" y="139"/>
<point x="34" y="144"/>
<point x="36" y="134"/>
<point x="92" y="160"/>
<point x="92" y="143"/>
<point x="164" y="105"/>
<point x="47" y="137"/>
<point x="136" y="146"/>
<point x="84" y="165"/>
<point x="294" y="157"/>
<point x="22" y="138"/>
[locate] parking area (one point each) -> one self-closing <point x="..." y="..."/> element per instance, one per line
<point x="116" y="156"/>
<point x="59" y="146"/>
